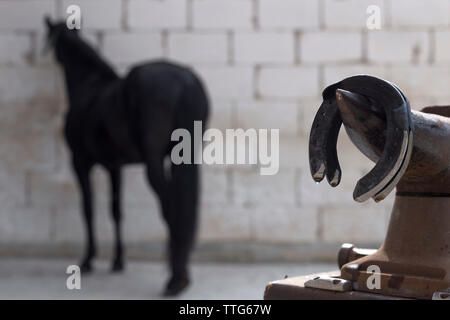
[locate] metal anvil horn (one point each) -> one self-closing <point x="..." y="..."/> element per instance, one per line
<point x="411" y="150"/>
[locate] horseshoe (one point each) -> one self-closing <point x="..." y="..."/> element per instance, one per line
<point x="384" y="176"/>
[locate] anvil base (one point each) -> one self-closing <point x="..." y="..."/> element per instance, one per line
<point x="294" y="289"/>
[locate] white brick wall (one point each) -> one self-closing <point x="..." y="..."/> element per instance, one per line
<point x="442" y="49"/>
<point x="14" y="49"/>
<point x="264" y="115"/>
<point x="198" y="48"/>
<point x="18" y="84"/>
<point x="288" y="82"/>
<point x="228" y="82"/>
<point x="322" y="47"/>
<point x="418" y="13"/>
<point x="289" y="14"/>
<point x="350" y="13"/>
<point x="156" y="14"/>
<point x="127" y="48"/>
<point x="268" y="47"/>
<point x="398" y="47"/>
<point x="25" y="14"/>
<point x="264" y="62"/>
<point x="218" y="14"/>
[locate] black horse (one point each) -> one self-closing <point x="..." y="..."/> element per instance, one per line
<point x="113" y="121"/>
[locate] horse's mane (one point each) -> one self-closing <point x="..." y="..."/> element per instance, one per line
<point x="89" y="56"/>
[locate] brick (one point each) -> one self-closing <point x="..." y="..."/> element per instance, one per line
<point x="224" y="223"/>
<point x="24" y="225"/>
<point x="24" y="83"/>
<point x="421" y="80"/>
<point x="127" y="48"/>
<point x="137" y="191"/>
<point x="26" y="14"/>
<point x="355" y="223"/>
<point x="398" y="46"/>
<point x="155" y="14"/>
<point x="14" y="49"/>
<point x="288" y="82"/>
<point x="251" y="189"/>
<point x="442" y="51"/>
<point x="283" y="223"/>
<point x="217" y="14"/>
<point x="143" y="225"/>
<point x="53" y="189"/>
<point x="228" y="82"/>
<point x="97" y="14"/>
<point x="35" y="147"/>
<point x="292" y="151"/>
<point x="289" y="14"/>
<point x="264" y="47"/>
<point x="311" y="193"/>
<point x="419" y="102"/>
<point x="308" y="110"/>
<point x="221" y="114"/>
<point x="37" y="114"/>
<point x="69" y="226"/>
<point x="268" y="115"/>
<point x="322" y="47"/>
<point x="12" y="190"/>
<point x="416" y="13"/>
<point x="350" y="13"/>
<point x="6" y="224"/>
<point x="198" y="48"/>
<point x="214" y="185"/>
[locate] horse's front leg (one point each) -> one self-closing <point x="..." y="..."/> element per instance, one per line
<point x="116" y="211"/>
<point x="82" y="170"/>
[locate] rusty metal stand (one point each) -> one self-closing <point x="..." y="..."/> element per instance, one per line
<point x="412" y="153"/>
<point x="294" y="289"/>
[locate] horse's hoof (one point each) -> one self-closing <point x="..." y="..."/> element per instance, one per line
<point x="175" y="286"/>
<point x="117" y="266"/>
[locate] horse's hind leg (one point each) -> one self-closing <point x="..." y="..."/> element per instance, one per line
<point x="82" y="170"/>
<point x="116" y="211"/>
<point x="184" y="197"/>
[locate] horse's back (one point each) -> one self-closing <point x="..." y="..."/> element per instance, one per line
<point x="161" y="74"/>
<point x="168" y="86"/>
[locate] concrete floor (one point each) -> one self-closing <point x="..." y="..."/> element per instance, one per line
<point x="46" y="279"/>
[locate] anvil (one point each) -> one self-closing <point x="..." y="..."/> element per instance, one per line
<point x="411" y="150"/>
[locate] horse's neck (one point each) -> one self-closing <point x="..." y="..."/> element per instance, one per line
<point x="81" y="84"/>
<point x="86" y="74"/>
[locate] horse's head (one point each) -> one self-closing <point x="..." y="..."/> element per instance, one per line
<point x="57" y="36"/>
<point x="72" y="50"/>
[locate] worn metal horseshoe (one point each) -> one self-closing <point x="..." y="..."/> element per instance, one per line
<point x="386" y="98"/>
